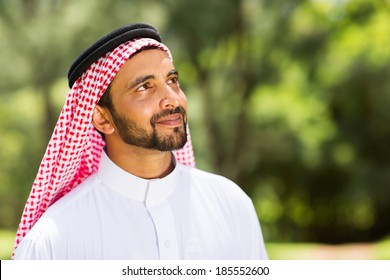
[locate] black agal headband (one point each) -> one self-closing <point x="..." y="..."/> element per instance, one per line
<point x="107" y="43"/>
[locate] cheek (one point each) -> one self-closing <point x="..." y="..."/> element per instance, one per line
<point x="142" y="113"/>
<point x="139" y="112"/>
<point x="183" y="100"/>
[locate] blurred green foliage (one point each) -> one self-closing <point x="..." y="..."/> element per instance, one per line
<point x="289" y="98"/>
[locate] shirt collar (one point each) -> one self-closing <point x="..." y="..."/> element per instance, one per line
<point x="150" y="191"/>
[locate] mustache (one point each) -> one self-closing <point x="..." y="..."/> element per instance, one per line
<point x="178" y="110"/>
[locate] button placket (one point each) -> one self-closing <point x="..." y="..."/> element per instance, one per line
<point x="164" y="222"/>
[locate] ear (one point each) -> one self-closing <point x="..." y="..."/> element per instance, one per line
<point x="101" y="120"/>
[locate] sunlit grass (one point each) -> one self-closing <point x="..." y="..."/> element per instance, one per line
<point x="311" y="251"/>
<point x="382" y="249"/>
<point x="7" y="239"/>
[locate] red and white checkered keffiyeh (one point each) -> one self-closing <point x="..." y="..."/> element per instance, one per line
<point x="75" y="147"/>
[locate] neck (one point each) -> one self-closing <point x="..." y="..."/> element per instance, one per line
<point x="143" y="163"/>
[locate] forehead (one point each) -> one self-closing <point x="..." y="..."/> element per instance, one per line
<point x="146" y="60"/>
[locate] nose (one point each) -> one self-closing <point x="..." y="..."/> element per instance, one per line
<point x="170" y="99"/>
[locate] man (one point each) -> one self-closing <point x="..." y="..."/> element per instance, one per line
<point x="117" y="180"/>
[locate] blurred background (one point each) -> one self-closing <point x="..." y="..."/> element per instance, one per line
<point x="288" y="98"/>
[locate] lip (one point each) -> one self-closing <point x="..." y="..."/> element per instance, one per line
<point x="171" y="120"/>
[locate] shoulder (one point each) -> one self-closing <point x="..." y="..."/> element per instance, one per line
<point x="215" y="184"/>
<point x="46" y="238"/>
<point x="49" y="229"/>
<point x="199" y="174"/>
<point x="75" y="197"/>
<point x="37" y="244"/>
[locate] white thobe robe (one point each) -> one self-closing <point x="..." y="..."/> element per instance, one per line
<point x="189" y="214"/>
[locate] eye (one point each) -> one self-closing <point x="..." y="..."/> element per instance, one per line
<point x="143" y="87"/>
<point x="173" y="80"/>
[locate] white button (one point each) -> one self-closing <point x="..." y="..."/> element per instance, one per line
<point x="167" y="243"/>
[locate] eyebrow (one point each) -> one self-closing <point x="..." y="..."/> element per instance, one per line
<point x="173" y="72"/>
<point x="139" y="80"/>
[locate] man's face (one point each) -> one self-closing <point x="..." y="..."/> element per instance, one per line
<point x="149" y="108"/>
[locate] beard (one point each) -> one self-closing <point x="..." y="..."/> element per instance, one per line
<point x="133" y="134"/>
